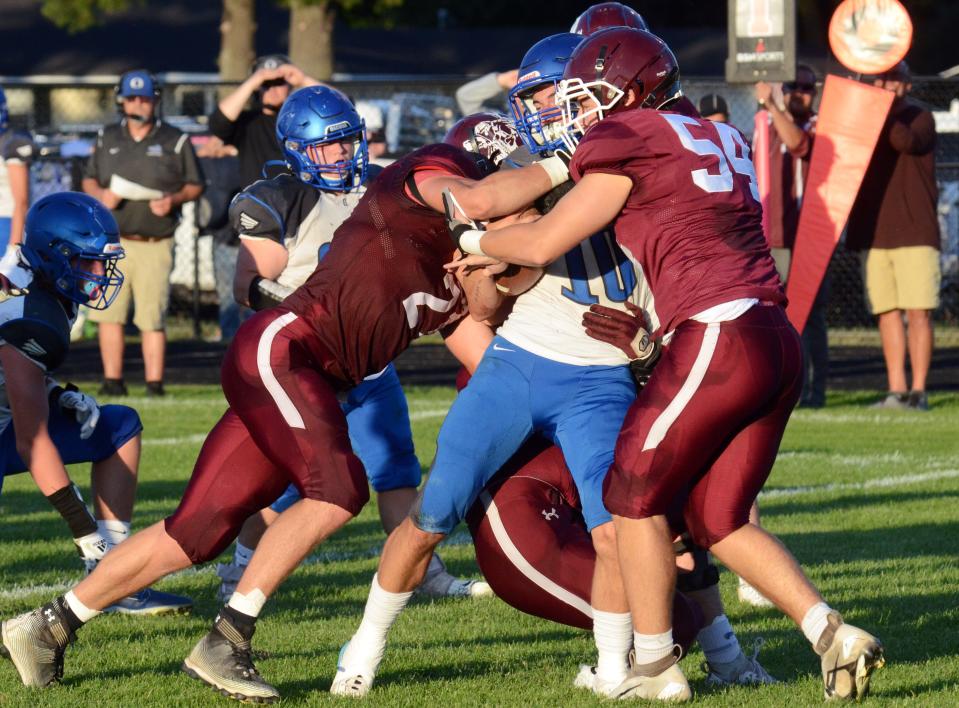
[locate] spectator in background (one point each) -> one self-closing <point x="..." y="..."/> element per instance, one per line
<point x="894" y="224"/>
<point x="790" y="147"/>
<point x="473" y="95"/>
<point x="713" y="107"/>
<point x="253" y="131"/>
<point x="143" y="170"/>
<point x="16" y="149"/>
<point x="221" y="171"/>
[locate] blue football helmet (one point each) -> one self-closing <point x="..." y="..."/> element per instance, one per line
<point x="4" y="113"/>
<point x="543" y="65"/>
<point x="65" y="235"/>
<point x="315" y="116"/>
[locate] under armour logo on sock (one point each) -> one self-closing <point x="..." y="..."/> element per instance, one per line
<point x="551" y="514"/>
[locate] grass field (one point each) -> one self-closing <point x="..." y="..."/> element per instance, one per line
<point x="868" y="501"/>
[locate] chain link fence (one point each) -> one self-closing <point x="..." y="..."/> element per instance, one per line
<point x="63" y="115"/>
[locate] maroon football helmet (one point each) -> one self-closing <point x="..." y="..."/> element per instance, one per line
<point x="607" y="14"/>
<point x="488" y="136"/>
<point x="606" y="66"/>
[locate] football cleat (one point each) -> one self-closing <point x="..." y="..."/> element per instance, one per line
<point x="223" y="661"/>
<point x="667" y="682"/>
<point x="741" y="671"/>
<point x="751" y="596"/>
<point x="351" y="682"/>
<point x="230" y="574"/>
<point x="36" y="641"/>
<point x="893" y="401"/>
<point x="588" y="678"/>
<point x="151" y="602"/>
<point x="849" y="656"/>
<point x="440" y="583"/>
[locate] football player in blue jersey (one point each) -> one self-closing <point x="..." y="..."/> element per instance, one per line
<point x="68" y="257"/>
<point x="286" y="226"/>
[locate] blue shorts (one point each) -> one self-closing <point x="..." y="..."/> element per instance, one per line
<point x="117" y="425"/>
<point x="512" y="394"/>
<point x="378" y="420"/>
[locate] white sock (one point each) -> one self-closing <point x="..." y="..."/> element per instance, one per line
<point x="83" y="613"/>
<point x="242" y="554"/>
<point x="115" y="532"/>
<point x="719" y="642"/>
<point x="368" y="644"/>
<point x="652" y="647"/>
<point x="814" y="623"/>
<point x="613" y="632"/>
<point x="249" y="604"/>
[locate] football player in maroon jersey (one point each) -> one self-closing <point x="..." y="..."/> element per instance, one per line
<point x="381" y="285"/>
<point x="707" y="427"/>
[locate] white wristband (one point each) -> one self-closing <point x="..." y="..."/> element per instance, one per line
<point x="470" y="242"/>
<point x="556" y="170"/>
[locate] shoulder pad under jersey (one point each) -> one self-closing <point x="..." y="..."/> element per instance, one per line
<point x="37" y="325"/>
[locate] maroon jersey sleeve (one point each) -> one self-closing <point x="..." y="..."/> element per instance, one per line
<point x="693" y="219"/>
<point x="383" y="284"/>
<point x="611" y="147"/>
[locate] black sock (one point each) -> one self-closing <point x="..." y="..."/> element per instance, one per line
<point x="73" y="622"/>
<point x="69" y="504"/>
<point x="244" y="624"/>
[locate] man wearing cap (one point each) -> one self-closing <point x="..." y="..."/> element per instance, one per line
<point x="143" y="170"/>
<point x="793" y="123"/>
<point x="253" y="131"/>
<point x="894" y="225"/>
<point x="713" y="107"/>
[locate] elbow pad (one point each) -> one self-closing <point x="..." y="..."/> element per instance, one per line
<point x="265" y="293"/>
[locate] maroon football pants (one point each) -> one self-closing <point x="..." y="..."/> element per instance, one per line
<point x="533" y="547"/>
<point x="284" y="425"/>
<point x="706" y="428"/>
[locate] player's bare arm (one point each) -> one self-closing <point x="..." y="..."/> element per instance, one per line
<point x="591" y="205"/>
<point x="503" y="192"/>
<point x="26" y="390"/>
<point x="258" y="257"/>
<point x="467" y="340"/>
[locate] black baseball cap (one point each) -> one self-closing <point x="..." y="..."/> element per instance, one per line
<point x="713" y="103"/>
<point x="270" y="61"/>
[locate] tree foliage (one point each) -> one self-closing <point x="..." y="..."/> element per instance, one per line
<point x="78" y="15"/>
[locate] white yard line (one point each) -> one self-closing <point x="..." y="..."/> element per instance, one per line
<point x="901" y="480"/>
<point x="20" y="592"/>
<point x="425" y="414"/>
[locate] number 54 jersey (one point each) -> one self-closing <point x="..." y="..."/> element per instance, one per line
<point x="693" y="219"/>
<point x="382" y="283"/>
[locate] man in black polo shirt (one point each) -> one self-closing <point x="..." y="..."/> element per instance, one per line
<point x="143" y="170"/>
<point x="253" y="131"/>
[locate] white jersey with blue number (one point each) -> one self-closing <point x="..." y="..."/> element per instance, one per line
<point x="547" y="320"/>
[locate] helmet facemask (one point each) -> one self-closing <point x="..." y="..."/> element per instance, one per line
<point x="63" y="265"/>
<point x="305" y="159"/>
<point x="607" y="98"/>
<point x="541" y="128"/>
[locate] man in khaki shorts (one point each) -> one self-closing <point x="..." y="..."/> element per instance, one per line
<point x="894" y="225"/>
<point x="143" y="170"/>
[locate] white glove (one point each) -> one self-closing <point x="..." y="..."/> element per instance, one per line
<point x="85" y="408"/>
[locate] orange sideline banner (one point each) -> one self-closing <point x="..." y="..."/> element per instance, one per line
<point x="851" y="116"/>
<point x="761" y="163"/>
